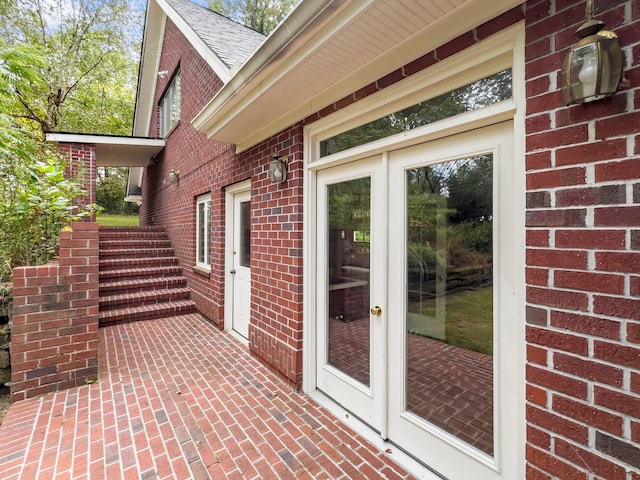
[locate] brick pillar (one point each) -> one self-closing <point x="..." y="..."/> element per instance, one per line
<point x="81" y="164"/>
<point x="583" y="256"/>
<point x="54" y="337"/>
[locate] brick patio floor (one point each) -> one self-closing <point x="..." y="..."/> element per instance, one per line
<point x="179" y="399"/>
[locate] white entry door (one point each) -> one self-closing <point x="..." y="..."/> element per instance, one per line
<point x="417" y="319"/>
<point x="239" y="262"/>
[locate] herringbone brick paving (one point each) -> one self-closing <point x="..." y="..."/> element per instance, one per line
<point x="178" y="399"/>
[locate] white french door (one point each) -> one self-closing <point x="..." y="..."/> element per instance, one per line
<point x="351" y="348"/>
<point x="416" y="280"/>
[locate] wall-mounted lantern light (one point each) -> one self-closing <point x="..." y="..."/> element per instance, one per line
<point x="174" y="176"/>
<point x="278" y="169"/>
<point x="593" y="68"/>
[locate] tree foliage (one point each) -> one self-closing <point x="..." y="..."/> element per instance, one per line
<point x="261" y="15"/>
<point x="88" y="62"/>
<point x="35" y="193"/>
<point x="111" y="190"/>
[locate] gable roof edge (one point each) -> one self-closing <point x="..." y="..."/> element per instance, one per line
<point x="155" y="23"/>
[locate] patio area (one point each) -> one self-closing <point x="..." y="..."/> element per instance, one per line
<point x="179" y="399"/>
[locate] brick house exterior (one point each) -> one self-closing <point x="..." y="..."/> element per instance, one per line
<point x="572" y="409"/>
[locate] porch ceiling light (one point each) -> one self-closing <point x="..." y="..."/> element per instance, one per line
<point x="278" y="169"/>
<point x="593" y="68"/>
<point x="174" y="176"/>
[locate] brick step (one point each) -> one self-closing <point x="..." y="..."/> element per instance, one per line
<point x="137" y="273"/>
<point x="148" y="228"/>
<point x="132" y="232"/>
<point x="140" y="244"/>
<point x="135" y="252"/>
<point x="146" y="312"/>
<point x="135" y="263"/>
<point x="146" y="297"/>
<point x="141" y="284"/>
<point x="140" y="277"/>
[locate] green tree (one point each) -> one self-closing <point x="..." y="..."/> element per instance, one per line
<point x="35" y="194"/>
<point x="89" y="56"/>
<point x="261" y="15"/>
<point x="111" y="190"/>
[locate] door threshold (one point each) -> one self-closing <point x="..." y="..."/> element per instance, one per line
<point x="409" y="463"/>
<point x="238" y="337"/>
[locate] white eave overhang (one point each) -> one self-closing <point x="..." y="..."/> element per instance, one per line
<point x="115" y="151"/>
<point x="327" y="50"/>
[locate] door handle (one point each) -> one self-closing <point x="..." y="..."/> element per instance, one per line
<point x="377" y="311"/>
<point x="232" y="272"/>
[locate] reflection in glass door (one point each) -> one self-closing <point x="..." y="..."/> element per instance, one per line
<point x="348" y="240"/>
<point x="449" y="317"/>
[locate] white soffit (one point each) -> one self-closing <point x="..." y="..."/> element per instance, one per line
<point x="113" y="151"/>
<point x="320" y="55"/>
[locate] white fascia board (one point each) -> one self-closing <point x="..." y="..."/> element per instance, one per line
<point x="217" y="65"/>
<point x="104" y="139"/>
<point x="149" y="64"/>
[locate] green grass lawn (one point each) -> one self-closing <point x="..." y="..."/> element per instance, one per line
<point x="468" y="320"/>
<point x="107" y="220"/>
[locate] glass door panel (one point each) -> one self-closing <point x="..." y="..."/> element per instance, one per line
<point x="347" y="289"/>
<point x="449" y="295"/>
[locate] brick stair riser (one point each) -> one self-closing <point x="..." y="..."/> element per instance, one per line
<point x="126" y="263"/>
<point x="149" y="297"/>
<point x="140" y="273"/>
<point x="113" y="317"/>
<point x="133" y="235"/>
<point x="107" y="245"/>
<point x="134" y="252"/>
<point x="141" y="285"/>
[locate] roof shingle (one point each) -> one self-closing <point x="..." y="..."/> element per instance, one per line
<point x="231" y="41"/>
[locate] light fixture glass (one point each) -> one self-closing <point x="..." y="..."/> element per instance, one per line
<point x="278" y="169"/>
<point x="174" y="176"/>
<point x="593" y="68"/>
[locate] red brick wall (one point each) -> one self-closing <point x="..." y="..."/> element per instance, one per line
<point x="54" y="333"/>
<point x="583" y="256"/>
<point x="204" y="166"/>
<point x="81" y="164"/>
<point x="275" y="332"/>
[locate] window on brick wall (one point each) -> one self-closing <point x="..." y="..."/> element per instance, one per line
<point x="170" y="106"/>
<point x="203" y="229"/>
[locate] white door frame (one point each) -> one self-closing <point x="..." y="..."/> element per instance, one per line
<point x="230" y="193"/>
